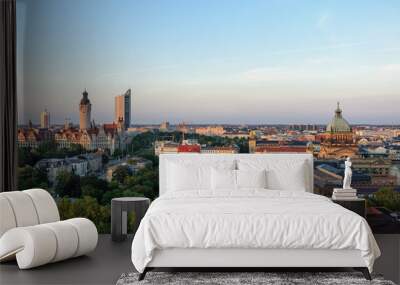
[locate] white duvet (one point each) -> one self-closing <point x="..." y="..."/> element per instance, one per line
<point x="250" y="219"/>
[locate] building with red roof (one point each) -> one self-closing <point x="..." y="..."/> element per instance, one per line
<point x="189" y="148"/>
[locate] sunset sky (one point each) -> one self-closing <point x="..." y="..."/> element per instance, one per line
<point x="211" y="61"/>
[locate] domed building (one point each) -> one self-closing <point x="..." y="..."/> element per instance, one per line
<point x="338" y="141"/>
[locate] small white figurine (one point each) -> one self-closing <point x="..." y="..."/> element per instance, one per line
<point x="347" y="174"/>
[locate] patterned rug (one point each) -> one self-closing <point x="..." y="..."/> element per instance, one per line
<point x="269" y="278"/>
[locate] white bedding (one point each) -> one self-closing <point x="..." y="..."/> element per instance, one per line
<point x="250" y="219"/>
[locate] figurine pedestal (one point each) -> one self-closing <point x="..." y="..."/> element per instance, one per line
<point x="345" y="190"/>
<point x="344" y="194"/>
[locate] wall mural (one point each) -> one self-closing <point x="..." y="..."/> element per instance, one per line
<point x="105" y="87"/>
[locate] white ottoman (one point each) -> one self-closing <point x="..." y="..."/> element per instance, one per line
<point x="31" y="232"/>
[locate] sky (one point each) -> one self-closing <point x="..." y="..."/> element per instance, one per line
<point x="208" y="61"/>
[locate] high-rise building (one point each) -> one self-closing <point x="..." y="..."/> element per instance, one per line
<point x="123" y="108"/>
<point x="45" y="119"/>
<point x="84" y="112"/>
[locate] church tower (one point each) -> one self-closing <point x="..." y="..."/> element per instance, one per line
<point x="84" y="112"/>
<point x="252" y="142"/>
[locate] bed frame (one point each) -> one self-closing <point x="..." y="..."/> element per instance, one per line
<point x="248" y="259"/>
<point x="242" y="259"/>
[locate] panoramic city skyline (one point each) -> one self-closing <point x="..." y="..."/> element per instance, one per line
<point x="210" y="62"/>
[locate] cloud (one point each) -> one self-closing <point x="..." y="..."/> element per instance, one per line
<point x="340" y="45"/>
<point x="321" y="60"/>
<point x="393" y="67"/>
<point x="265" y="74"/>
<point x="389" y="50"/>
<point x="322" y="21"/>
<point x="322" y="69"/>
<point x="276" y="74"/>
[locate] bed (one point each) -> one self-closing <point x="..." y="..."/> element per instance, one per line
<point x="246" y="211"/>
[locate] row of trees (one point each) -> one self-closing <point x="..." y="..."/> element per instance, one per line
<point x="31" y="177"/>
<point x="86" y="196"/>
<point x="49" y="149"/>
<point x="86" y="207"/>
<point x="90" y="196"/>
<point x="386" y="197"/>
<point x="143" y="183"/>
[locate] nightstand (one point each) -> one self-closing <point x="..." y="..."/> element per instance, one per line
<point x="119" y="215"/>
<point x="357" y="205"/>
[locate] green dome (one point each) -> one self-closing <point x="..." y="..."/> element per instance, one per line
<point x="338" y="124"/>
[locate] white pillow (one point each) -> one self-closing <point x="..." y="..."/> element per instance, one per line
<point x="292" y="178"/>
<point x="282" y="174"/>
<point x="183" y="176"/>
<point x="251" y="178"/>
<point x="223" y="179"/>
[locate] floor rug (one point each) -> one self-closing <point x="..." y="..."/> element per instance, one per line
<point x="243" y="278"/>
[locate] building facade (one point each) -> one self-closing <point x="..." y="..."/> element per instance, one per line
<point x="78" y="165"/>
<point x="210" y="131"/>
<point x="91" y="137"/>
<point x="338" y="141"/>
<point x="33" y="137"/>
<point x="219" y="149"/>
<point x="257" y="145"/>
<point x="165" y="147"/>
<point x="134" y="164"/>
<point x="53" y="167"/>
<point x="28" y="138"/>
<point x="94" y="160"/>
<point x="183" y="128"/>
<point x="45" y="119"/>
<point x="106" y="137"/>
<point x="123" y="108"/>
<point x="164" y="127"/>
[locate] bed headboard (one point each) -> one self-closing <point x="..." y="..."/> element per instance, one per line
<point x="193" y="158"/>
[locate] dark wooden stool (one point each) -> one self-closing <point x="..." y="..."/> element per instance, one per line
<point x="119" y="215"/>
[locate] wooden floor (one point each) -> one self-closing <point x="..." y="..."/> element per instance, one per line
<point x="110" y="259"/>
<point x="103" y="266"/>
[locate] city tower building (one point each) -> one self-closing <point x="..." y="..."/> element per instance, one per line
<point x="45" y="119"/>
<point x="123" y="108"/>
<point x="84" y="112"/>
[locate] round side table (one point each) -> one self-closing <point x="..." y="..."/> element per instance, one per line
<point x="119" y="215"/>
